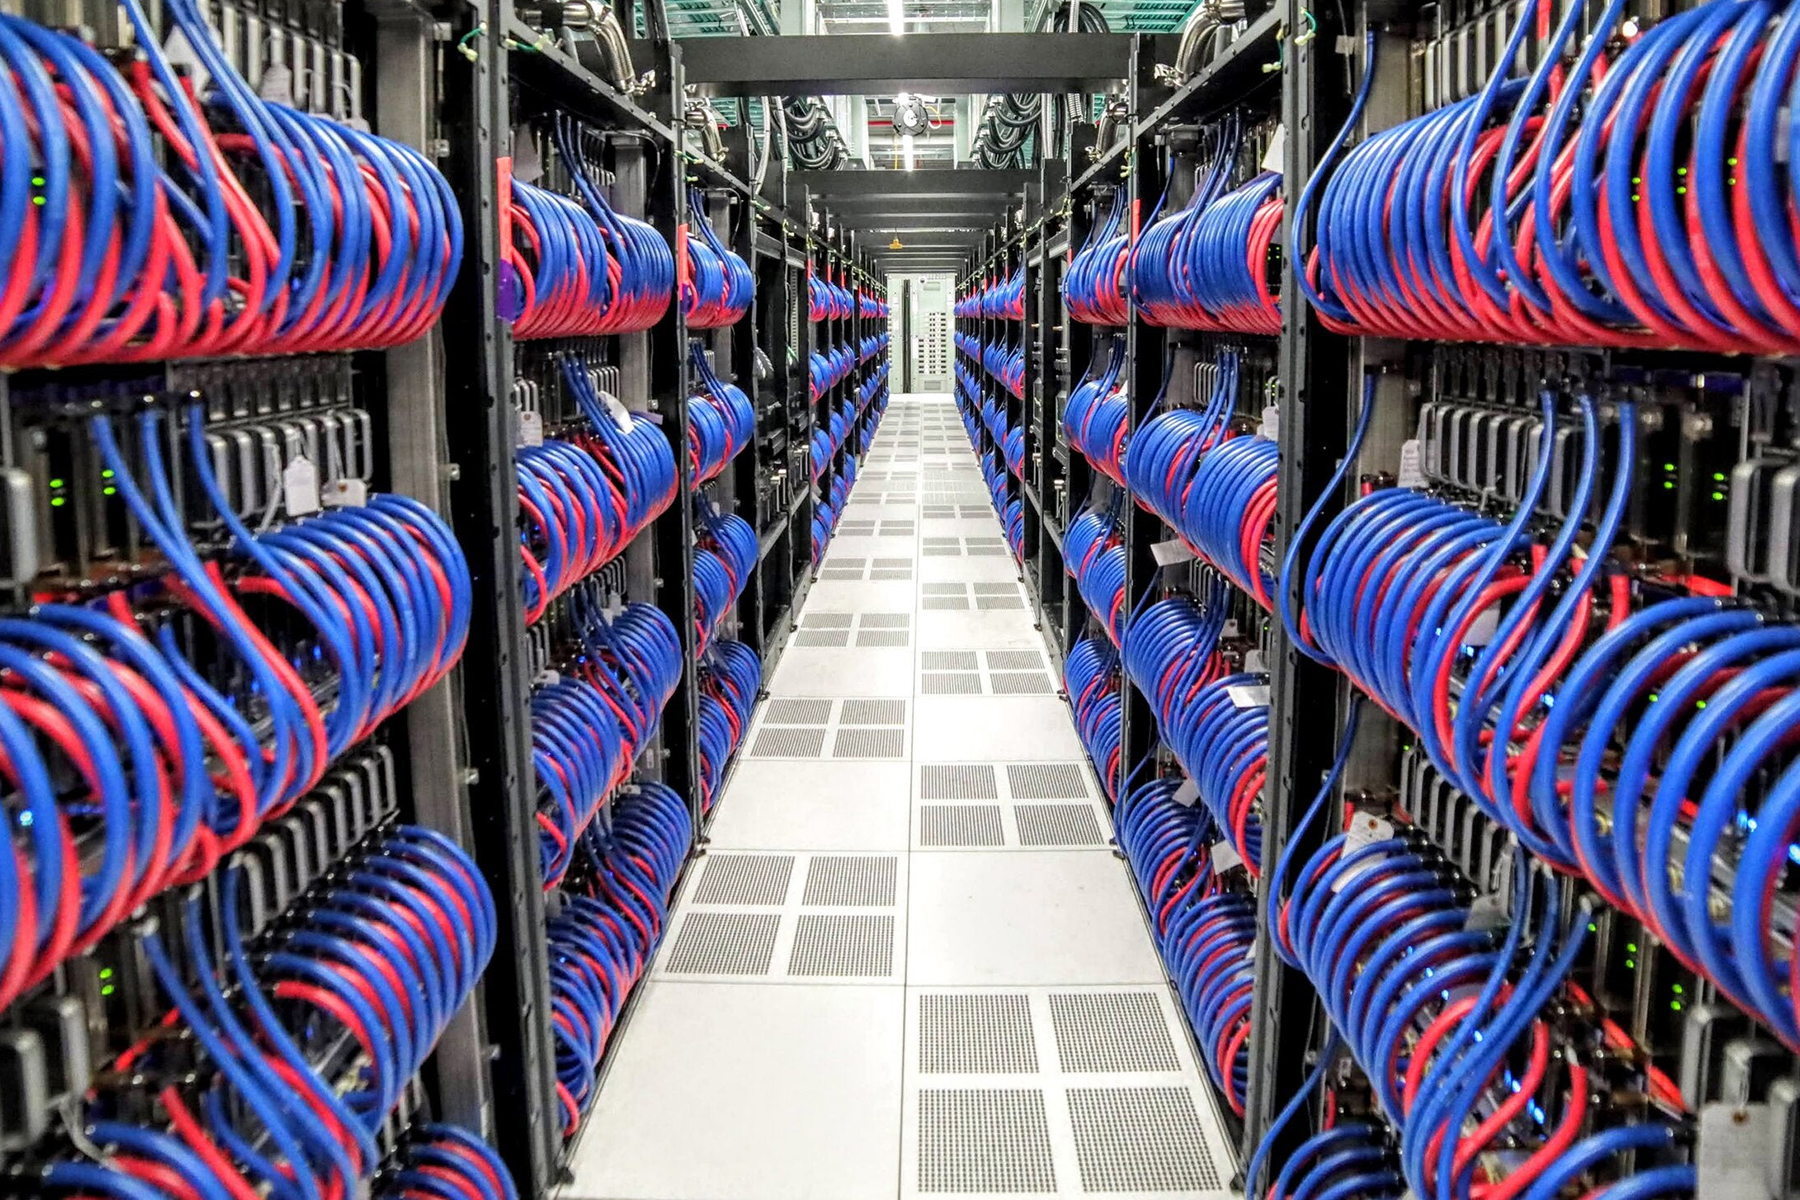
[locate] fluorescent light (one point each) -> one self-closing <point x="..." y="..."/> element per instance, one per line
<point x="906" y="146"/>
<point x="896" y="18"/>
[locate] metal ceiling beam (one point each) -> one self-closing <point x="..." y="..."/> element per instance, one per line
<point x="863" y="63"/>
<point x="852" y="206"/>
<point x="940" y="182"/>
<point x="903" y="225"/>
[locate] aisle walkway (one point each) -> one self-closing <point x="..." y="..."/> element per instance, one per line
<point x="908" y="964"/>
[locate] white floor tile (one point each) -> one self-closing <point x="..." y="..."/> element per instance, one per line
<point x="725" y="1091"/>
<point x="831" y="595"/>
<point x="804" y="671"/>
<point x="1026" y="918"/>
<point x="981" y="568"/>
<point x="1008" y="629"/>
<point x="992" y="729"/>
<point x="786" y="805"/>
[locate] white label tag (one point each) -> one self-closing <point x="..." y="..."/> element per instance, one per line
<point x="343" y="493"/>
<point x="276" y="85"/>
<point x="1253" y="662"/>
<point x="547" y="677"/>
<point x="531" y="428"/>
<point x="1225" y="857"/>
<point x="181" y="54"/>
<point x="1482" y="631"/>
<point x="1412" y="471"/>
<point x="1186" y="794"/>
<point x="1249" y="695"/>
<point x="1365" y="830"/>
<point x="1275" y="156"/>
<point x="1231" y="628"/>
<point x="615" y="604"/>
<point x="527" y="167"/>
<point x="1168" y="553"/>
<point x="1734" y="1142"/>
<point x="300" y="486"/>
<point x="620" y="414"/>
<point x="1270" y="429"/>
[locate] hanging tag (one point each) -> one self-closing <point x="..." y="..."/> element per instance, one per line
<point x="1412" y="470"/>
<point x="1270" y="429"/>
<point x="1249" y="695"/>
<point x="1365" y="829"/>
<point x="276" y="85"/>
<point x="531" y="427"/>
<point x="300" y="487"/>
<point x="620" y="414"/>
<point x="1734" y="1142"/>
<point x="1253" y="662"/>
<point x="547" y="677"/>
<point x="1187" y="793"/>
<point x="1225" y="857"/>
<point x="342" y="493"/>
<point x="1482" y="631"/>
<point x="1168" y="553"/>
<point x="1276" y="155"/>
<point x="615" y="604"/>
<point x="527" y="167"/>
<point x="183" y="57"/>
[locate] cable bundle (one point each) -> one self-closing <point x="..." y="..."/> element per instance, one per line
<point x="870" y="308"/>
<point x="1094" y="556"/>
<point x="721" y="421"/>
<point x="381" y="955"/>
<point x="603" y="938"/>
<point x="1229" y="512"/>
<point x="872" y="346"/>
<point x="730" y="680"/>
<point x="581" y="269"/>
<point x="589" y="724"/>
<point x="1006" y="364"/>
<point x="1206" y="717"/>
<point x="967" y="306"/>
<point x="1205" y="936"/>
<point x="1005" y="299"/>
<point x="1097" y="412"/>
<point x="1349" y="1159"/>
<point x="1094" y="285"/>
<point x="447" y="1162"/>
<point x="716" y="284"/>
<point x="1167" y="448"/>
<point x="586" y="498"/>
<point x="320" y="238"/>
<point x="1207" y="265"/>
<point x="1658" y="212"/>
<point x="827" y="301"/>
<point x="114" y="707"/>
<point x="724" y="559"/>
<point x="828" y="368"/>
<point x="1091" y="679"/>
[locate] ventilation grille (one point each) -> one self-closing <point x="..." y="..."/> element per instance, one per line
<point x="789" y="710"/>
<point x="886" y="620"/>
<point x="999" y="603"/>
<point x="1111" y="1032"/>
<point x="873" y="712"/>
<point x="977" y="1033"/>
<point x="944" y="604"/>
<point x="1057" y="825"/>
<point x="1019" y="683"/>
<point x="745" y="879"/>
<point x="883" y="637"/>
<point x="960" y="825"/>
<point x="842" y="945"/>
<point x="788" y="743"/>
<point x="947" y="660"/>
<point x="1014" y="660"/>
<point x="1140" y="1140"/>
<point x="826" y="620"/>
<point x="822" y="638"/>
<point x="845" y="880"/>
<point x="984" y="1140"/>
<point x="939" y="781"/>
<point x="724" y="943"/>
<point x="949" y="683"/>
<point x="869" y="743"/>
<point x="1046" y="781"/>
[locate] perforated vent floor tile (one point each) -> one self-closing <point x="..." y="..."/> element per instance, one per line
<point x="744" y="879"/>
<point x="869" y="743"/>
<point x="960" y="826"/>
<point x="1111" y="1032"/>
<point x="976" y="1033"/>
<point x="845" y="880"/>
<point x="839" y="944"/>
<point x="1139" y="1139"/>
<point x="951" y="781"/>
<point x="1042" y="825"/>
<point x="724" y="943"/>
<point x="1047" y="781"/>
<point x="983" y="1140"/>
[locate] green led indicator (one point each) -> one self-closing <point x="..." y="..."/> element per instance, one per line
<point x="1631" y="947"/>
<point x="1675" y="1005"/>
<point x="108" y="990"/>
<point x="1718" y="477"/>
<point x="1669" y="484"/>
<point x="1699" y="704"/>
<point x="56" y="483"/>
<point x="1677" y="989"/>
<point x="1668" y="466"/>
<point x="58" y="502"/>
<point x="106" y="972"/>
<point x="37" y="181"/>
<point x="109" y="491"/>
<point x="1718" y="495"/>
<point x="106" y="474"/>
<point x="1631" y="964"/>
<point x="1592" y="927"/>
<point x="39" y="201"/>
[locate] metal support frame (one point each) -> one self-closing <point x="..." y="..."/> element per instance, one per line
<point x="858" y="64"/>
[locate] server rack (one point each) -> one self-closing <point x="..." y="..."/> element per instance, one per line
<point x="445" y="416"/>
<point x="1288" y="81"/>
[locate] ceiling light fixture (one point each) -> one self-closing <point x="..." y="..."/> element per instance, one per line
<point x="896" y="18"/>
<point x="906" y="146"/>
